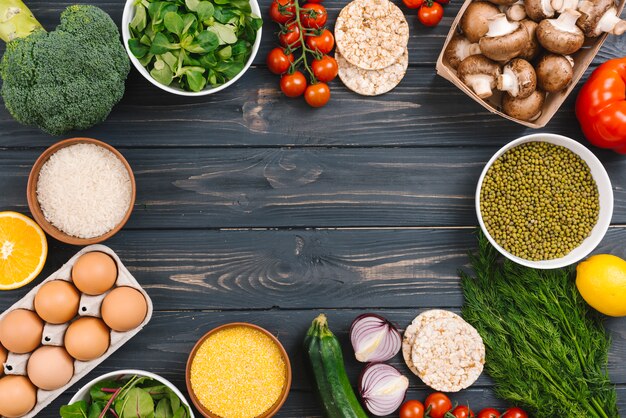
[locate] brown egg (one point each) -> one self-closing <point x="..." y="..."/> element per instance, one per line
<point x="87" y="339"/>
<point x="20" y="331"/>
<point x="18" y="396"/>
<point x="94" y="273"/>
<point x="57" y="302"/>
<point x="124" y="309"/>
<point x="3" y="358"/>
<point x="50" y="368"/>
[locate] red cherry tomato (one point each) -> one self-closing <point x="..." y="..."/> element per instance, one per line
<point x="412" y="409"/>
<point x="325" y="69"/>
<point x="313" y="15"/>
<point x="290" y="36"/>
<point x="489" y="413"/>
<point x="278" y="62"/>
<point x="293" y="85"/>
<point x="430" y="14"/>
<point x="439" y="404"/>
<point x="282" y="11"/>
<point x="317" y="95"/>
<point x="462" y="411"/>
<point x="413" y="4"/>
<point x="514" y="413"/>
<point x="324" y="42"/>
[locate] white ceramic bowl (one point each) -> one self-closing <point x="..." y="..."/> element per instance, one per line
<point x="127" y="17"/>
<point x="83" y="393"/>
<point x="605" y="193"/>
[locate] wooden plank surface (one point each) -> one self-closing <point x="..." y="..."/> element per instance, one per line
<point x="255" y="207"/>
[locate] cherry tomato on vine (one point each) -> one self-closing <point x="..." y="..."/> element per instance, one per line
<point x="293" y="85"/>
<point x="430" y="13"/>
<point x="489" y="413"/>
<point x="438" y="403"/>
<point x="514" y="413"/>
<point x="412" y="409"/>
<point x="413" y="4"/>
<point x="313" y="15"/>
<point x="278" y="62"/>
<point x="462" y="411"/>
<point x="291" y="36"/>
<point x="324" y="42"/>
<point x="317" y="95"/>
<point x="325" y="69"/>
<point x="282" y="11"/>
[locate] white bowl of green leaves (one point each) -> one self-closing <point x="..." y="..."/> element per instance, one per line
<point x="128" y="393"/>
<point x="192" y="47"/>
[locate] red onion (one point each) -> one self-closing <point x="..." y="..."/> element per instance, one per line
<point x="374" y="338"/>
<point x="382" y="388"/>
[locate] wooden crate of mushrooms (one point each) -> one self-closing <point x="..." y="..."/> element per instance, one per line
<point x="521" y="58"/>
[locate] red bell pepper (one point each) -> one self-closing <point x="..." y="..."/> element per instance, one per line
<point x="601" y="106"/>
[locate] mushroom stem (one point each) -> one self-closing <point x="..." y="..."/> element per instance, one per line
<point x="561" y="5"/>
<point x="481" y="84"/>
<point x="567" y="20"/>
<point x="499" y="25"/>
<point x="508" y="82"/>
<point x="611" y="23"/>
<point x="516" y="12"/>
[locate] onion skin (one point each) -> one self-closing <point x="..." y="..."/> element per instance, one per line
<point x="374" y="388"/>
<point x="374" y="338"/>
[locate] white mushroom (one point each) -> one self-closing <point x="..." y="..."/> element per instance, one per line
<point x="538" y="10"/>
<point x="554" y="72"/>
<point x="532" y="47"/>
<point x="515" y="12"/>
<point x="458" y="49"/>
<point x="598" y="17"/>
<point x="560" y="6"/>
<point x="518" y="79"/>
<point x="561" y="35"/>
<point x="527" y="109"/>
<point x="504" y="40"/>
<point x="474" y="22"/>
<point x="479" y="74"/>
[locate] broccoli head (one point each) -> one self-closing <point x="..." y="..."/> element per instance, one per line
<point x="66" y="79"/>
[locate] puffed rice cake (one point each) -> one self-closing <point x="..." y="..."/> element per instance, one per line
<point x="449" y="354"/>
<point x="371" y="34"/>
<point x="372" y="82"/>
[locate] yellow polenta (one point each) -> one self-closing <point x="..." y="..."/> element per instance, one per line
<point x="238" y="372"/>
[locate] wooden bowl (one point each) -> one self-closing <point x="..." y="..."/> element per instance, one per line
<point x="284" y="393"/>
<point x="33" y="202"/>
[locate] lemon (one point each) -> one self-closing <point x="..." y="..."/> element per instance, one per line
<point x="23" y="250"/>
<point x="601" y="280"/>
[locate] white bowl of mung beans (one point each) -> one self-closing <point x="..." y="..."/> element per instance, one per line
<point x="544" y="201"/>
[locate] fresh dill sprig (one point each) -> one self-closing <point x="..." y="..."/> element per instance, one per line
<point x="546" y="349"/>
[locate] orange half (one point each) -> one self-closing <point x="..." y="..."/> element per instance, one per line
<point x="23" y="250"/>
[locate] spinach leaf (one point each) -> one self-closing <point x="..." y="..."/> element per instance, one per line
<point x="163" y="409"/>
<point x="225" y="33"/>
<point x="136" y="404"/>
<point x="97" y="394"/>
<point x="205" y="10"/>
<point x="182" y="412"/>
<point x="95" y="409"/>
<point x="140" y="20"/>
<point x="174" y="23"/>
<point x="190" y="23"/>
<point x="161" y="72"/>
<point x="174" y="400"/>
<point x="160" y="44"/>
<point x="75" y="410"/>
<point x="137" y="48"/>
<point x="192" y="5"/>
<point x="203" y="43"/>
<point x="194" y="78"/>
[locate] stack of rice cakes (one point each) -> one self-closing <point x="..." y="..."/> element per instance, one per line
<point x="372" y="38"/>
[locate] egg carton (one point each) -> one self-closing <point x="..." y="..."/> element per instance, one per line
<point x="53" y="335"/>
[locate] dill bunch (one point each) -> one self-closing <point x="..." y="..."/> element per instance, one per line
<point x="546" y="349"/>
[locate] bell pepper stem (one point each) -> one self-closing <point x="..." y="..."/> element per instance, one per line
<point x="16" y="20"/>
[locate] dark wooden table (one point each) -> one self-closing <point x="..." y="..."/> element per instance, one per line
<point x="254" y="207"/>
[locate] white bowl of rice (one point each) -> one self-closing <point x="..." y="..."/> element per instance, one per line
<point x="81" y="191"/>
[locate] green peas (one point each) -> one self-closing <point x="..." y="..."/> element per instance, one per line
<point x="539" y="201"/>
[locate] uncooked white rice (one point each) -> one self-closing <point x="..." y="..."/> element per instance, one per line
<point x="84" y="190"/>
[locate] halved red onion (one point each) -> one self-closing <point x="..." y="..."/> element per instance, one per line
<point x="374" y="338"/>
<point x="382" y="388"/>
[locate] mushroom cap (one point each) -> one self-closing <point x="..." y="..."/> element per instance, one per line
<point x="526" y="109"/>
<point x="559" y="41"/>
<point x="505" y="47"/>
<point x="458" y="49"/>
<point x="554" y="72"/>
<point x="532" y="47"/>
<point x="538" y="10"/>
<point x="524" y="75"/>
<point x="478" y="65"/>
<point x="475" y="21"/>
<point x="591" y="13"/>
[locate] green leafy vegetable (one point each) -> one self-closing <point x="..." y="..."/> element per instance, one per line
<point x="546" y="350"/>
<point x="76" y="410"/>
<point x="193" y="43"/>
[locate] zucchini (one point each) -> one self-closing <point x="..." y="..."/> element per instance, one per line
<point x="323" y="352"/>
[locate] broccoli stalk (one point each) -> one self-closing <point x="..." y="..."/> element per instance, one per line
<point x="16" y="20"/>
<point x="66" y="79"/>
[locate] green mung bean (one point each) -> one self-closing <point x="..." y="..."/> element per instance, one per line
<point x="539" y="201"/>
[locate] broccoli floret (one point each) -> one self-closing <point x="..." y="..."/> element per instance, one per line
<point x="66" y="79"/>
